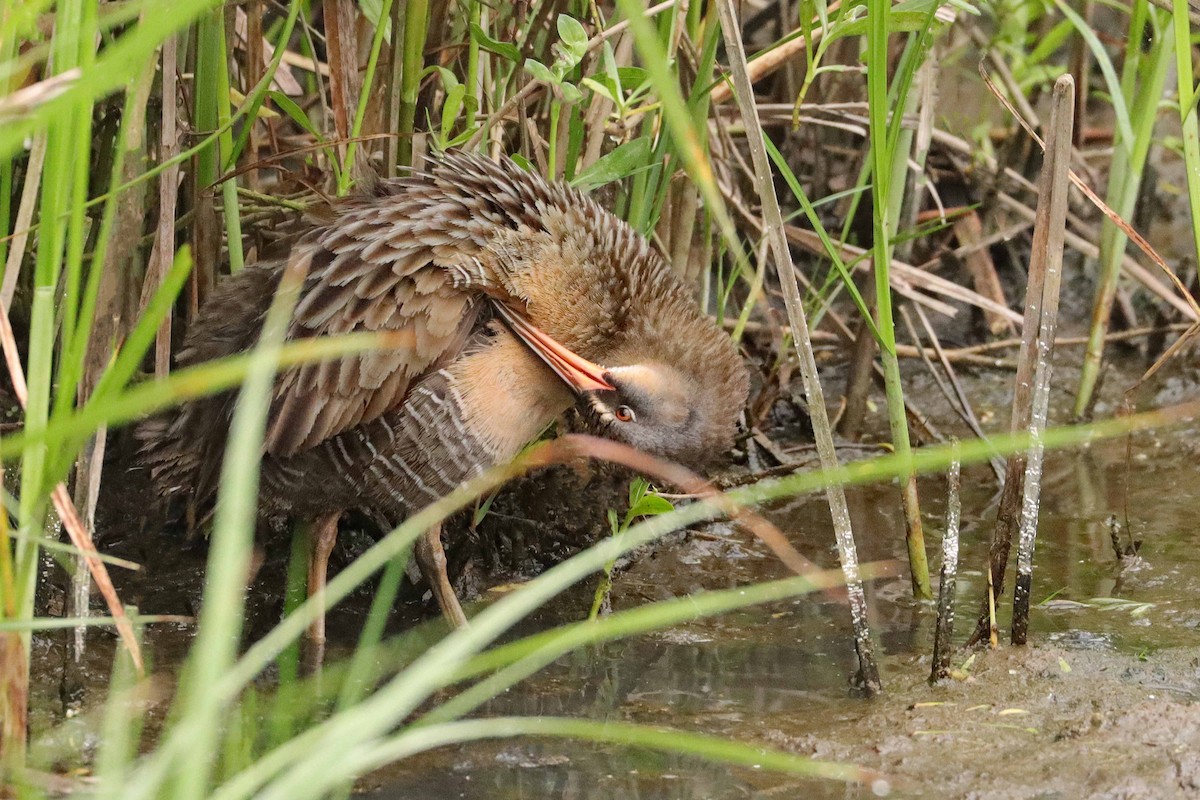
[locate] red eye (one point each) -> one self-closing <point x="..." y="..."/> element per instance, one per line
<point x="624" y="414"/>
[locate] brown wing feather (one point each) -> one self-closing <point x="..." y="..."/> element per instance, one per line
<point x="317" y="402"/>
<point x="410" y="258"/>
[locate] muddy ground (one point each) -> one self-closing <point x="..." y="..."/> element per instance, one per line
<point x="1102" y="704"/>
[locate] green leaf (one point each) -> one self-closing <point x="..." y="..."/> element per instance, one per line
<point x="373" y="11"/>
<point x="603" y="86"/>
<point x="450" y="108"/>
<point x="288" y="106"/>
<point x="898" y="22"/>
<point x="573" y="38"/>
<point x="462" y="138"/>
<point x="637" y="488"/>
<point x="449" y="79"/>
<point x="620" y="163"/>
<point x="502" y="49"/>
<point x="650" y="506"/>
<point x="540" y="71"/>
<point x="632" y="77"/>
<point x="482" y="509"/>
<point x="570" y="92"/>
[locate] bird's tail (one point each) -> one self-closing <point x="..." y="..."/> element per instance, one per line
<point x="184" y="446"/>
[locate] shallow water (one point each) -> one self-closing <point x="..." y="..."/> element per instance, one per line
<point x="778" y="675"/>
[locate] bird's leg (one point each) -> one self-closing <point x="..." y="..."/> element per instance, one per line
<point x="431" y="558"/>
<point x="323" y="534"/>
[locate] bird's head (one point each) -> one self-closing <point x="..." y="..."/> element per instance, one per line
<point x="661" y="410"/>
<point x="681" y="405"/>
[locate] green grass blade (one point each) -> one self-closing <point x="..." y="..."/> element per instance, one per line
<point x="220" y="625"/>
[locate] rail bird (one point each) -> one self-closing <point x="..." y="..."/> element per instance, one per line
<point x="516" y="299"/>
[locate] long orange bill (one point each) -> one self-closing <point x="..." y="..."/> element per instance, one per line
<point x="575" y="370"/>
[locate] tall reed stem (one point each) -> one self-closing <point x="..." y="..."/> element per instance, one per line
<point x="881" y="167"/>
<point x="1143" y="79"/>
<point x="416" y="22"/>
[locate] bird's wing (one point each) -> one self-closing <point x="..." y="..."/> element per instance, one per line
<point x="413" y="257"/>
<point x="433" y="318"/>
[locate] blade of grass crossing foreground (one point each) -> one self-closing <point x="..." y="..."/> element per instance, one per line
<point x="186" y="384"/>
<point x="356" y="682"/>
<point x="126" y="362"/>
<point x="355" y="685"/>
<point x="82" y="14"/>
<point x="140" y="339"/>
<point x="286" y="772"/>
<point x="527" y="656"/>
<point x="881" y="167"/>
<point x="123" y="717"/>
<point x="220" y="625"/>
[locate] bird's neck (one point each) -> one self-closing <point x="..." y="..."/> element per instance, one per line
<point x="508" y="395"/>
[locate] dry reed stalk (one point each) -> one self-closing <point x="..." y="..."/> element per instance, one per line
<point x="29" y="199"/>
<point x="1041" y="305"/>
<point x="14" y="701"/>
<point x="868" y="670"/>
<point x="14" y="669"/>
<point x="1048" y="235"/>
<point x="342" y="44"/>
<point x="1113" y="216"/>
<point x="168" y="199"/>
<point x="861" y="375"/>
<point x="1083" y="241"/>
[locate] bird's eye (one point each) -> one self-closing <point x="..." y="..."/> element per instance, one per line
<point x="624" y="414"/>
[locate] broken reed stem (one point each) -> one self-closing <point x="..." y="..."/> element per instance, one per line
<point x="868" y="670"/>
<point x="1008" y="514"/>
<point x="948" y="575"/>
<point x="1049" y="233"/>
